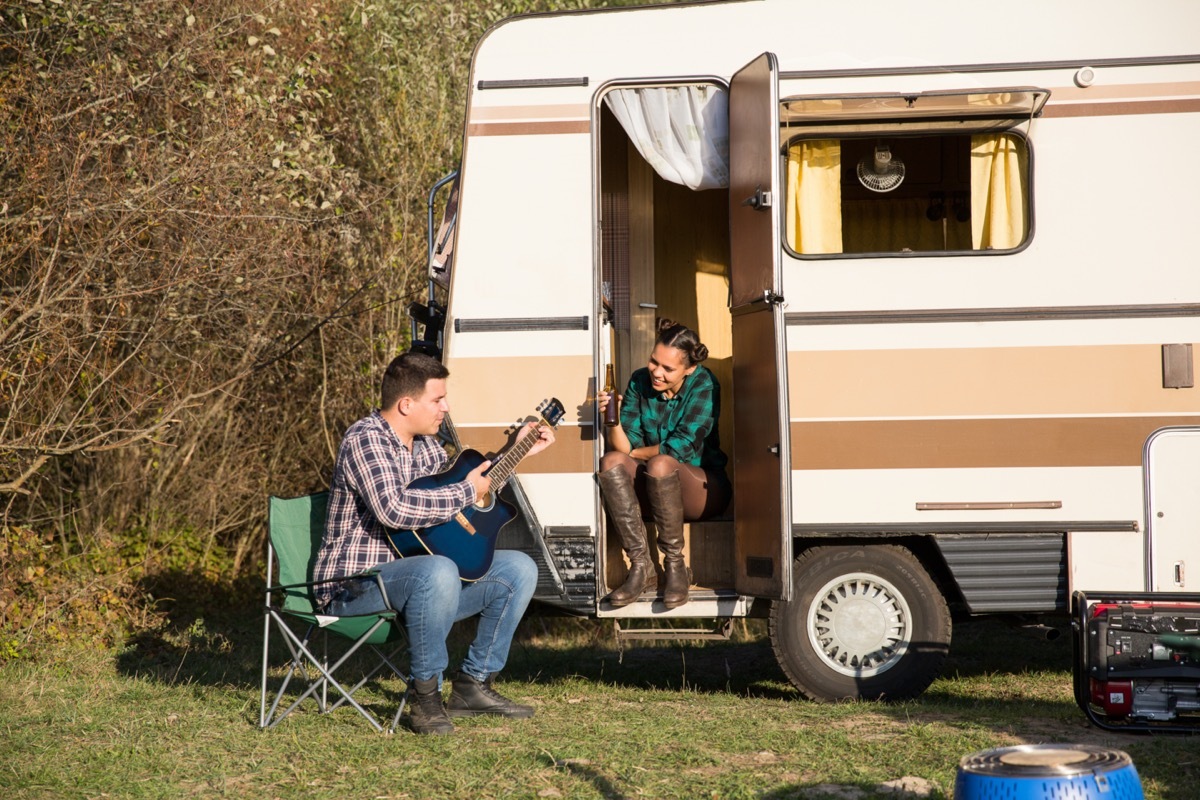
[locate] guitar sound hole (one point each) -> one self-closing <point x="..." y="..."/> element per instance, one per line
<point x="486" y="502"/>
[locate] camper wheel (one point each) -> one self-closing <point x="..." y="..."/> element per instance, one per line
<point x="864" y="622"/>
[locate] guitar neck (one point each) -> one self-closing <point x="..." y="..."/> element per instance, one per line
<point x="506" y="464"/>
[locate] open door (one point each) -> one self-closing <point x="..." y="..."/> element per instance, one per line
<point x="761" y="452"/>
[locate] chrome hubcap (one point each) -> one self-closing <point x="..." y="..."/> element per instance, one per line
<point x="859" y="625"/>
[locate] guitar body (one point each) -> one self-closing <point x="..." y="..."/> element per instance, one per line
<point x="469" y="538"/>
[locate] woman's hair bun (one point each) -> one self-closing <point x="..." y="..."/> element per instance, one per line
<point x="683" y="338"/>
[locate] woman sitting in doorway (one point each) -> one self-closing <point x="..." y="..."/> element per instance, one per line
<point x="664" y="461"/>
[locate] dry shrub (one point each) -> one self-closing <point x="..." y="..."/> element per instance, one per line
<point x="211" y="221"/>
<point x="179" y="241"/>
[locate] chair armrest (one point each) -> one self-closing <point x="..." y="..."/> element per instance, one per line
<point x="371" y="572"/>
<point x="368" y="573"/>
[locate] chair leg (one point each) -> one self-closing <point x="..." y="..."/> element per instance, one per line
<point x="384" y="661"/>
<point x="291" y="640"/>
<point x="326" y="676"/>
<point x="262" y="701"/>
<point x="408" y="689"/>
<point x="321" y="677"/>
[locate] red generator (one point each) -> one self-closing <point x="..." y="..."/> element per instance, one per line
<point x="1137" y="660"/>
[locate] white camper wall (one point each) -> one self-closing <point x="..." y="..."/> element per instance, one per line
<point x="1104" y="205"/>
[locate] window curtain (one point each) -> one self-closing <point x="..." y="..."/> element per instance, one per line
<point x="681" y="131"/>
<point x="999" y="213"/>
<point x="814" y="188"/>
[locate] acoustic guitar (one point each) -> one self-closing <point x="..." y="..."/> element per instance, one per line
<point x="469" y="538"/>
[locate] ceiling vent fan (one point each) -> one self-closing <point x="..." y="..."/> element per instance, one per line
<point x="881" y="172"/>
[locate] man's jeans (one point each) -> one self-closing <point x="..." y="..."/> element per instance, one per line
<point x="429" y="595"/>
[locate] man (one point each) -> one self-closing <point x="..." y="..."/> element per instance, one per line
<point x="379" y="457"/>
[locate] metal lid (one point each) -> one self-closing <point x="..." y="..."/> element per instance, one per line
<point x="1045" y="760"/>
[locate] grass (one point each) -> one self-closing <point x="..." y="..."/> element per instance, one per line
<point x="177" y="717"/>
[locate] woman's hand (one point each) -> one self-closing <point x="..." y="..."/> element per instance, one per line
<point x="603" y="398"/>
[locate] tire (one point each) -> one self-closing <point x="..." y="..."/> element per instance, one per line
<point x="864" y="623"/>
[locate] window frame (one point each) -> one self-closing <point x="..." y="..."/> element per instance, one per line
<point x="895" y="134"/>
<point x="901" y="115"/>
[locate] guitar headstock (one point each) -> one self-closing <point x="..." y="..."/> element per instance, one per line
<point x="551" y="411"/>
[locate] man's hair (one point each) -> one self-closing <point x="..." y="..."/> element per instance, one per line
<point x="407" y="375"/>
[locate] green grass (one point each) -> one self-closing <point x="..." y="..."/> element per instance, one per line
<point x="177" y="717"/>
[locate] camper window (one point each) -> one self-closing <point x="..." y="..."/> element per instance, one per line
<point x="900" y="194"/>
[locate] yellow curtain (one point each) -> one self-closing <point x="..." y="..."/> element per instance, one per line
<point x="814" y="185"/>
<point x="999" y="210"/>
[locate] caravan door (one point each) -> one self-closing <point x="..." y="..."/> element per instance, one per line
<point x="762" y="464"/>
<point x="1171" y="464"/>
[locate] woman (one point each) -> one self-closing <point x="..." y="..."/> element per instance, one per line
<point x="664" y="460"/>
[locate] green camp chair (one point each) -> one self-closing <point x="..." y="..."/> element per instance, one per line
<point x="295" y="526"/>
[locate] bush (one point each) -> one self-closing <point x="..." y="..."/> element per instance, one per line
<point x="211" y="221"/>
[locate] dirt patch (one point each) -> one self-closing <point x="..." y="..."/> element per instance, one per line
<point x="907" y="787"/>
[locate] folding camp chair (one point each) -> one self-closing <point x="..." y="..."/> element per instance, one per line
<point x="295" y="527"/>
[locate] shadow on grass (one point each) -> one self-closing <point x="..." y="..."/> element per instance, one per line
<point x="212" y="634"/>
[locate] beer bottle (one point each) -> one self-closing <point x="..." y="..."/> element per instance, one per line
<point x="611" y="412"/>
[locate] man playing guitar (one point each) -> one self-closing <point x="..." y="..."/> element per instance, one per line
<point x="370" y="495"/>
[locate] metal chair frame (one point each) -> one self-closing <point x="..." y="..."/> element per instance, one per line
<point x="372" y="630"/>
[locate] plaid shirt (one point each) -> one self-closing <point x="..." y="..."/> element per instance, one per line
<point x="370" y="495"/>
<point x="685" y="426"/>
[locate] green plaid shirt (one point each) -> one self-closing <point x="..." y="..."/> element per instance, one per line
<point x="684" y="426"/>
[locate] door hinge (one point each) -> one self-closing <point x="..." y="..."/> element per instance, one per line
<point x="774" y="449"/>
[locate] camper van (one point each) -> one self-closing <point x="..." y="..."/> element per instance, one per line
<point x="942" y="257"/>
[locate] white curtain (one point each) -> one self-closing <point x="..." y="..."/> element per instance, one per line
<point x="681" y="131"/>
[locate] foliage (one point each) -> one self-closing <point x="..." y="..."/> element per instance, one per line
<point x="54" y="591"/>
<point x="211" y="222"/>
<point x="176" y="218"/>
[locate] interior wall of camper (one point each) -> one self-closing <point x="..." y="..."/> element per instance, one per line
<point x="665" y="253"/>
<point x="663" y="245"/>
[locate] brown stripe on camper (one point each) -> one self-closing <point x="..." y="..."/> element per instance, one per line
<point x="1124" y="91"/>
<point x="1174" y="106"/>
<point x="492" y="392"/>
<point x="957" y="443"/>
<point x="1081" y="380"/>
<point x="573" y="450"/>
<point x="533" y="128"/>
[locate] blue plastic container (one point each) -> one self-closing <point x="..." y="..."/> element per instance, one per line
<point x="1048" y="772"/>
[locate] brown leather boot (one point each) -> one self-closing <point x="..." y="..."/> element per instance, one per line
<point x="622" y="502"/>
<point x="426" y="713"/>
<point x="470" y="697"/>
<point x="666" y="507"/>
